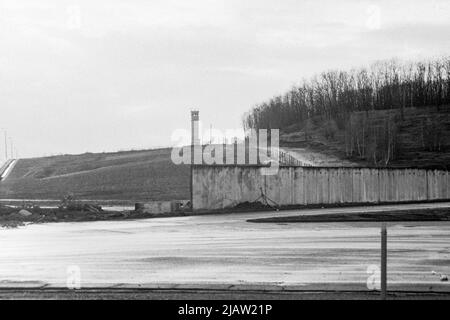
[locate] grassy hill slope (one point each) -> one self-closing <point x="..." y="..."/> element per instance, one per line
<point x="422" y="138"/>
<point x="131" y="175"/>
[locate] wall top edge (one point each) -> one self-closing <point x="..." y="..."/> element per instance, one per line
<point x="316" y="167"/>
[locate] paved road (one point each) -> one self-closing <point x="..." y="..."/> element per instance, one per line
<point x="223" y="249"/>
<point x="6" y="168"/>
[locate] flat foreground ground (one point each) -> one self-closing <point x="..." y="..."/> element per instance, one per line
<point x="224" y="252"/>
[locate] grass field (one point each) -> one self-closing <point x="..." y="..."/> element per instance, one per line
<point x="131" y="175"/>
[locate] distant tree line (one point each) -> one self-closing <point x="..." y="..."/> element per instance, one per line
<point x="336" y="94"/>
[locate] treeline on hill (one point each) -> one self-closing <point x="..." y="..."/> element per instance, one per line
<point x="343" y="101"/>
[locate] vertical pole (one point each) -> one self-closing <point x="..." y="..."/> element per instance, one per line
<point x="210" y="133"/>
<point x="194" y="142"/>
<point x="6" y="145"/>
<point x="192" y="184"/>
<point x="11" y="150"/>
<point x="383" y="261"/>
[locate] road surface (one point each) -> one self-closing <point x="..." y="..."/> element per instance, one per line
<point x="6" y="168"/>
<point x="224" y="250"/>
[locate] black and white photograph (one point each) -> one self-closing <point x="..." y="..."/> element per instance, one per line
<point x="202" y="151"/>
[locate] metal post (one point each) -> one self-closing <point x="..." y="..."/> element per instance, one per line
<point x="11" y="151"/>
<point x="383" y="261"/>
<point x="194" y="145"/>
<point x="6" y="145"/>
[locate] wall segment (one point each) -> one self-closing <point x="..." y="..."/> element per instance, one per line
<point x="222" y="186"/>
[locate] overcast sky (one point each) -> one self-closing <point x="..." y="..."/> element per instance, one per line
<point x="105" y="75"/>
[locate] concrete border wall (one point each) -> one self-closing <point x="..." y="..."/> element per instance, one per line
<point x="219" y="187"/>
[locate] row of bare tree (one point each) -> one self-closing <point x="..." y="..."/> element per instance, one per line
<point x="336" y="94"/>
<point x="375" y="142"/>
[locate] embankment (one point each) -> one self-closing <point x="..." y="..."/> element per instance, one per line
<point x="128" y="176"/>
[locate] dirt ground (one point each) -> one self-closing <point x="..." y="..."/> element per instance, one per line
<point x="439" y="214"/>
<point x="10" y="216"/>
<point x="224" y="248"/>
